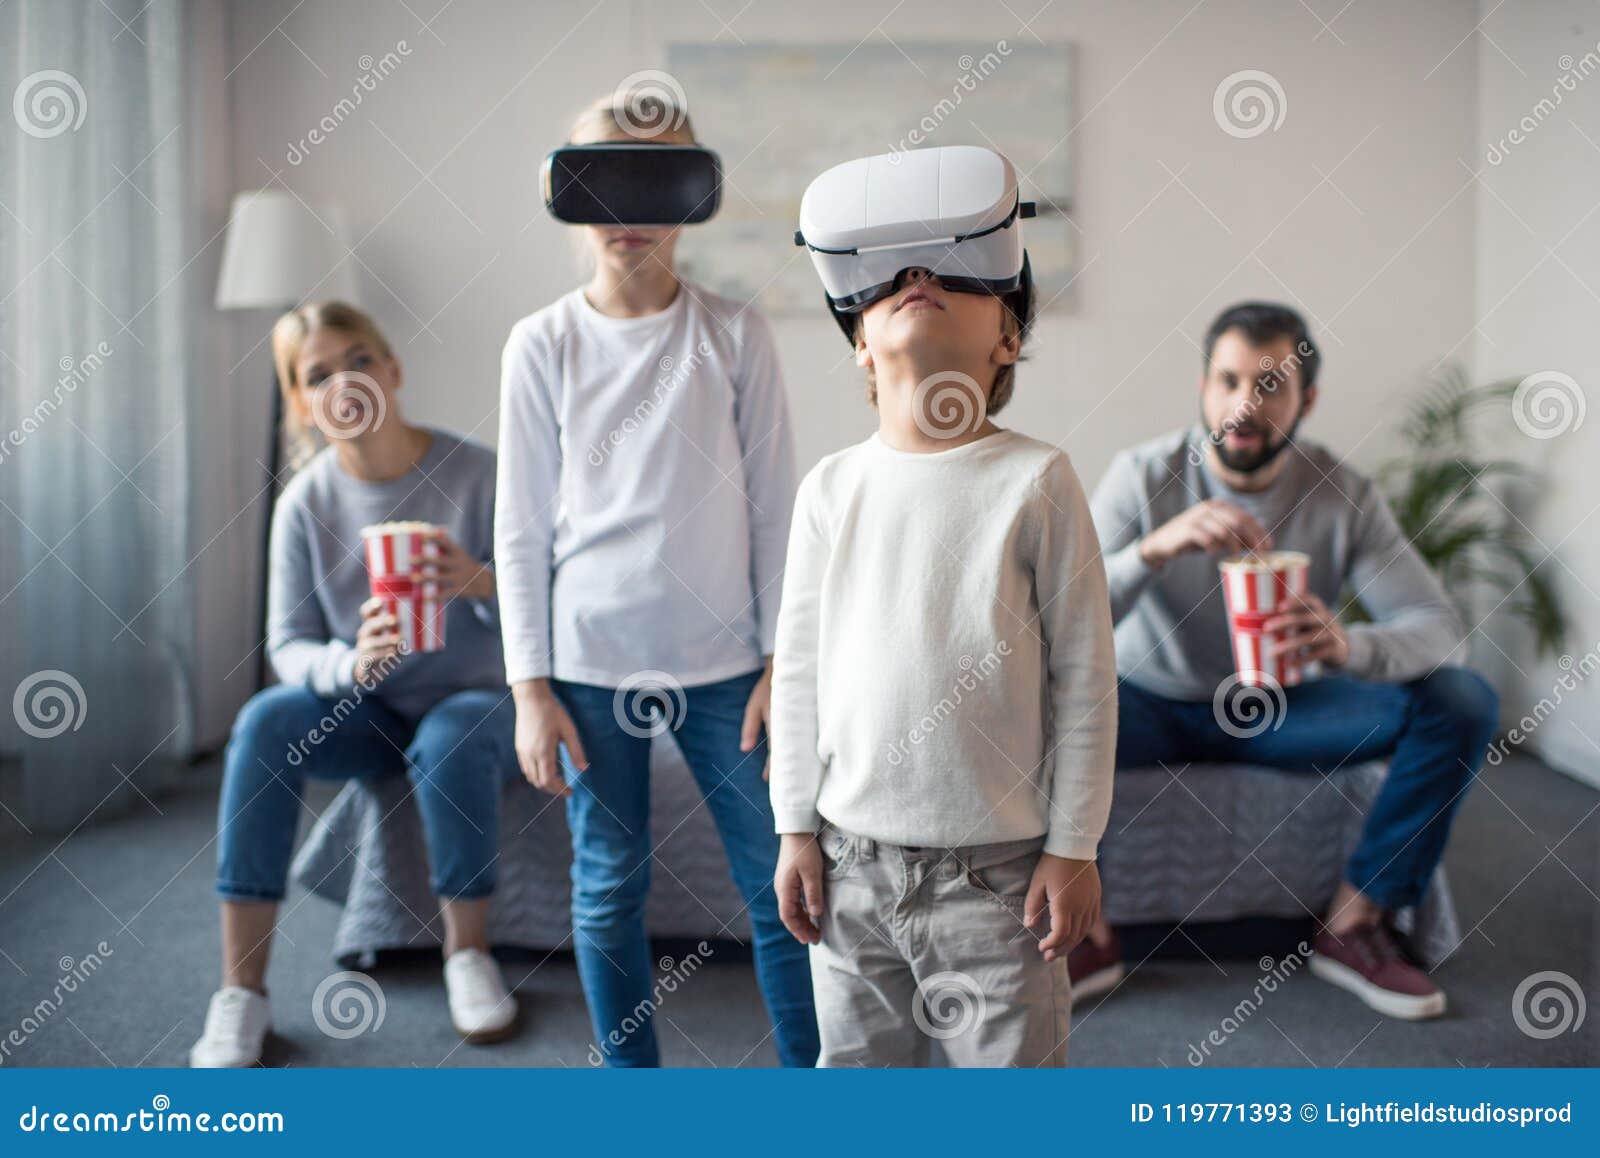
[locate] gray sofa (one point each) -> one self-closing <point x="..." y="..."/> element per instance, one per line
<point x="1213" y="842"/>
<point x="1198" y="843"/>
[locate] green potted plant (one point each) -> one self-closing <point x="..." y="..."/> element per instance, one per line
<point x="1441" y="494"/>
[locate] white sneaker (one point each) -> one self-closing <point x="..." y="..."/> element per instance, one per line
<point x="237" y="1021"/>
<point x="481" y="1008"/>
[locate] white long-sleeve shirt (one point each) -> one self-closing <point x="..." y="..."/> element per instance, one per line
<point x="645" y="487"/>
<point x="944" y="673"/>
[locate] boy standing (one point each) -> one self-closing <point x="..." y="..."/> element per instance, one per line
<point x="944" y="696"/>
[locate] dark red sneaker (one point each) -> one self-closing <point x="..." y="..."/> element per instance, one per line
<point x="1095" y="969"/>
<point x="1375" y="964"/>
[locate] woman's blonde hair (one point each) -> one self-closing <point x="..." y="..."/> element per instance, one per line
<point x="289" y="336"/>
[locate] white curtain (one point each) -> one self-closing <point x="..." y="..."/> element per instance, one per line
<point x="97" y="382"/>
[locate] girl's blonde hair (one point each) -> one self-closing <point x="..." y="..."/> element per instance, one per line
<point x="289" y="336"/>
<point x="644" y="114"/>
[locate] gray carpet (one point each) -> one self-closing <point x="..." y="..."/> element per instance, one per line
<point x="1525" y="863"/>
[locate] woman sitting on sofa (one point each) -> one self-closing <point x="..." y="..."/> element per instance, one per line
<point x="354" y="699"/>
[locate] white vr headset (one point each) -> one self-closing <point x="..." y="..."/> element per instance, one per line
<point x="954" y="211"/>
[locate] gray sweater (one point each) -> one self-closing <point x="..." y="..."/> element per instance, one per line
<point x="318" y="579"/>
<point x="1171" y="625"/>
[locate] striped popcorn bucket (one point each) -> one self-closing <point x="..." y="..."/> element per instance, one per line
<point x="1254" y="588"/>
<point x="393" y="550"/>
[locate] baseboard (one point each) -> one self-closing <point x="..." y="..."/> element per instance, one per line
<point x="1574" y="758"/>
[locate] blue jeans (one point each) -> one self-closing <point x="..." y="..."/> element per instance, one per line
<point x="458" y="755"/>
<point x="609" y="815"/>
<point x="1435" y="732"/>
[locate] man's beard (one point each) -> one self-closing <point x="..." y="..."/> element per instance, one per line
<point x="1251" y="461"/>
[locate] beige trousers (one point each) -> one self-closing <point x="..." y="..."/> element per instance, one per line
<point x="927" y="944"/>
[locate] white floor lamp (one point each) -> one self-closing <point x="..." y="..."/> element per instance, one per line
<point x="280" y="252"/>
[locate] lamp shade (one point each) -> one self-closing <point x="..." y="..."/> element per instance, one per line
<point x="279" y="251"/>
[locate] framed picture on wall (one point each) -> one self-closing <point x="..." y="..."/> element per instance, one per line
<point x="779" y="114"/>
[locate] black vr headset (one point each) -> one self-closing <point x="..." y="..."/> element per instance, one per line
<point x="631" y="183"/>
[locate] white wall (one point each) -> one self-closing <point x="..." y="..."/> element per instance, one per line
<point x="1538" y="298"/>
<point x="1382" y="253"/>
<point x="1358" y="208"/>
<point x="225" y="524"/>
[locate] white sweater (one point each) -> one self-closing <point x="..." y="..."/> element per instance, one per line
<point x="944" y="673"/>
<point x="646" y="482"/>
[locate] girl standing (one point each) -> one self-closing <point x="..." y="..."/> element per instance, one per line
<point x="646" y="482"/>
